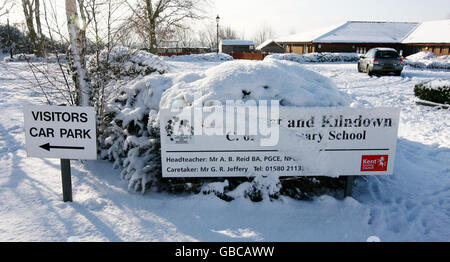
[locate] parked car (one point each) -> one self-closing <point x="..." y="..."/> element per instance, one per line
<point x="381" y="61"/>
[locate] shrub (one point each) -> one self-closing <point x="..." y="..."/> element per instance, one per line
<point x="120" y="62"/>
<point x="131" y="138"/>
<point x="437" y="91"/>
<point x="428" y="60"/>
<point x="12" y="37"/>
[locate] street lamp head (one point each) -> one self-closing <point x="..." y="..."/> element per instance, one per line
<point x="217" y="19"/>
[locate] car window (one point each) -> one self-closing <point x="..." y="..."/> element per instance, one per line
<point x="370" y="53"/>
<point x="387" y="54"/>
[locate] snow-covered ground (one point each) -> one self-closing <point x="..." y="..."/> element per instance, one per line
<point x="412" y="205"/>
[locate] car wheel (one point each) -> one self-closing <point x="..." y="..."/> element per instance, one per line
<point x="369" y="72"/>
<point x="398" y="73"/>
<point x="359" y="68"/>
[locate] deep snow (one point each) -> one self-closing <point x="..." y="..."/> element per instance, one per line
<point x="412" y="205"/>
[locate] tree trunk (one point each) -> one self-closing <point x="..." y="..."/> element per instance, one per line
<point x="29" y="21"/>
<point x="77" y="49"/>
<point x="40" y="50"/>
<point x="152" y="22"/>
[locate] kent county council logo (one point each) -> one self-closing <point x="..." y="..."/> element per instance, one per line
<point x="374" y="163"/>
<point x="179" y="131"/>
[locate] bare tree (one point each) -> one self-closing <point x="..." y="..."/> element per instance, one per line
<point x="228" y="33"/>
<point x="157" y="20"/>
<point x="263" y="34"/>
<point x="29" y="13"/>
<point x="77" y="48"/>
<point x="184" y="37"/>
<point x="6" y="6"/>
<point x="66" y="78"/>
<point x="208" y="35"/>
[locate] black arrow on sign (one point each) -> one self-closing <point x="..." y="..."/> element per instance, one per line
<point x="48" y="147"/>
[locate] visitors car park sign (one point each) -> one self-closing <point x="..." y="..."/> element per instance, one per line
<point x="64" y="132"/>
<point x="60" y="132"/>
<point x="311" y="142"/>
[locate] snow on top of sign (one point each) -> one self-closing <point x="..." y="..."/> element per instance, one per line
<point x="237" y="42"/>
<point x="290" y="83"/>
<point x="368" y="32"/>
<point x="431" y="32"/>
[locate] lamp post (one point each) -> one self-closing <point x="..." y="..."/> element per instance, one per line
<point x="217" y="20"/>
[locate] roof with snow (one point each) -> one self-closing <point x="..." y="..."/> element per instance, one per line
<point x="368" y="32"/>
<point x="236" y="42"/>
<point x="357" y="32"/>
<point x="430" y="32"/>
<point x="266" y="43"/>
<point x="307" y="36"/>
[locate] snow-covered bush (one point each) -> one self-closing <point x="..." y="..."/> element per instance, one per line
<point x="437" y="91"/>
<point x="122" y="62"/>
<point x="316" y="57"/>
<point x="209" y="57"/>
<point x="421" y="56"/>
<point x="119" y="65"/>
<point x="291" y="84"/>
<point x="132" y="139"/>
<point x="428" y="60"/>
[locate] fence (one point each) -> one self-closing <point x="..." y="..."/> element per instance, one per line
<point x="249" y="56"/>
<point x="178" y="54"/>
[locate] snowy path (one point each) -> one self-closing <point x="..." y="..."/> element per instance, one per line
<point x="415" y="202"/>
<point x="412" y="205"/>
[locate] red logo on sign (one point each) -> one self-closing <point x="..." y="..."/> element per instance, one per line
<point x="374" y="163"/>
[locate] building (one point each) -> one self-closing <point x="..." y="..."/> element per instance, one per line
<point x="352" y="36"/>
<point x="270" y="46"/>
<point x="302" y="43"/>
<point x="236" y="46"/>
<point x="433" y="36"/>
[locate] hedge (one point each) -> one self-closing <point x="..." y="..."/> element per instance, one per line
<point x="439" y="94"/>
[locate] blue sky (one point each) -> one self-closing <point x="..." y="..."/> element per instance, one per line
<point x="288" y="16"/>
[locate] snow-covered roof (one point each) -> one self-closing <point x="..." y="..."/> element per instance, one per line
<point x="430" y="32"/>
<point x="368" y="32"/>
<point x="306" y="36"/>
<point x="237" y="42"/>
<point x="266" y="43"/>
<point x="356" y="32"/>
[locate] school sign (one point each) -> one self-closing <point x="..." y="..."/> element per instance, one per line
<point x="306" y="142"/>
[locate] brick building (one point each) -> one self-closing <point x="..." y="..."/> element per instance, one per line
<point x="433" y="36"/>
<point x="352" y="36"/>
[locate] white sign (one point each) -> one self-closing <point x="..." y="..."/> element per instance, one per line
<point x="64" y="132"/>
<point x="310" y="142"/>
